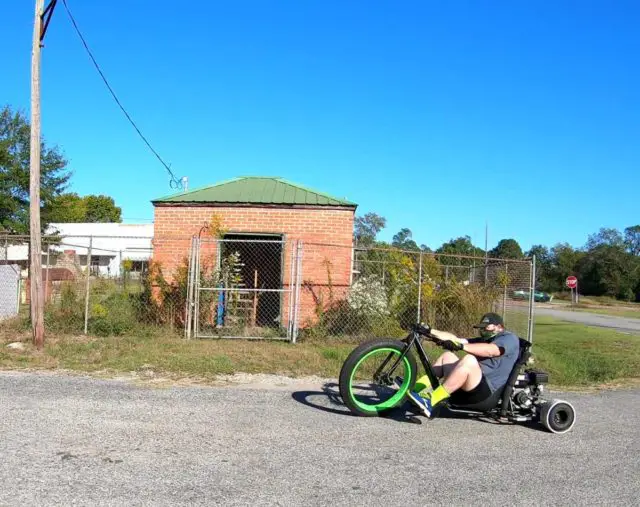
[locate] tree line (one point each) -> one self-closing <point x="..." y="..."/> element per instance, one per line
<point x="607" y="265"/>
<point x="57" y="204"/>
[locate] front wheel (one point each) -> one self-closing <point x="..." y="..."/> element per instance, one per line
<point x="368" y="383"/>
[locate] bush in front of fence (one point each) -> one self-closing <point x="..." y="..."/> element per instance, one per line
<point x="377" y="306"/>
<point x="456" y="307"/>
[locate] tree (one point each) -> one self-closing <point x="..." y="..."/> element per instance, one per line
<point x="564" y="262"/>
<point x="66" y="208"/>
<point x="608" y="270"/>
<point x="507" y="249"/>
<point x="366" y="228"/>
<point x="605" y="236"/>
<point x="71" y="208"/>
<point x="14" y="172"/>
<point x="632" y="239"/>
<point x="544" y="280"/>
<point x="403" y="240"/>
<point x="542" y="254"/>
<point x="460" y="246"/>
<point x="102" y="209"/>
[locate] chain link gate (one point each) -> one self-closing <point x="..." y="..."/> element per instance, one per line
<point x="243" y="287"/>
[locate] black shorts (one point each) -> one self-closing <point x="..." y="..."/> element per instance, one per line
<point x="479" y="393"/>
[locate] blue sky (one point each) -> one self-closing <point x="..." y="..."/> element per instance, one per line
<point x="436" y="115"/>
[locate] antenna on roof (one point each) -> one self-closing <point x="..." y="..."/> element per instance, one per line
<point x="185" y="184"/>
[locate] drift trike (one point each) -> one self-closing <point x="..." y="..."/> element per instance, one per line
<point x="378" y="374"/>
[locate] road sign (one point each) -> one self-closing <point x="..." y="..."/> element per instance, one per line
<point x="572" y="282"/>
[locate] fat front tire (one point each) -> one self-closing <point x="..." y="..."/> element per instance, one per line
<point x="378" y="397"/>
<point x="558" y="416"/>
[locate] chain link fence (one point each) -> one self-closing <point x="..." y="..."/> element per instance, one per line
<point x="92" y="285"/>
<point x="387" y="290"/>
<point x="259" y="287"/>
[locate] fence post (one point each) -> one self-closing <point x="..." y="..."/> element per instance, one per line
<point x="292" y="259"/>
<point x="121" y="270"/>
<point x="86" y="296"/>
<point x="504" y="295"/>
<point x="187" y="306"/>
<point x="532" y="286"/>
<point x="46" y="280"/>
<point x="420" y="290"/>
<point x="294" y="336"/>
<point x="196" y="308"/>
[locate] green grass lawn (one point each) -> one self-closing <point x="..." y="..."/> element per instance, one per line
<point x="574" y="355"/>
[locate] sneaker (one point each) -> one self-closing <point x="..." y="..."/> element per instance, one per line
<point x="424" y="404"/>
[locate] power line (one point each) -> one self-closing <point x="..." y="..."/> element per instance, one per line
<point x="173" y="182"/>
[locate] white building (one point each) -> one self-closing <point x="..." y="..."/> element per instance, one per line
<point x="111" y="244"/>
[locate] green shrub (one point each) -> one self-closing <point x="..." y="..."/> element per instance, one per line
<point x="456" y="307"/>
<point x="115" y="316"/>
<point x="67" y="314"/>
<point x="342" y="320"/>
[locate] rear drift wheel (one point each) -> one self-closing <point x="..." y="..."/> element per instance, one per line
<point x="367" y="378"/>
<point x="557" y="416"/>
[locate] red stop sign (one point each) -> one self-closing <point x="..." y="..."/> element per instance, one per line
<point x="572" y="282"/>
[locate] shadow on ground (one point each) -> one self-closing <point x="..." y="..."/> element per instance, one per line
<point x="328" y="400"/>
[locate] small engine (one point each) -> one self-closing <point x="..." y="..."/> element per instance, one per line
<point x="528" y="388"/>
<point x="537" y="377"/>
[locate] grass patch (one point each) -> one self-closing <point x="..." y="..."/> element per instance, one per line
<point x="574" y="355"/>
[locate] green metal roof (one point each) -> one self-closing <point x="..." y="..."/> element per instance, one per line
<point x="256" y="190"/>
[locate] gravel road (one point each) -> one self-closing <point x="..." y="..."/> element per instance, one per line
<point x="67" y="440"/>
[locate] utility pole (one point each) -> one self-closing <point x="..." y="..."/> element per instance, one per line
<point x="41" y="22"/>
<point x="35" y="272"/>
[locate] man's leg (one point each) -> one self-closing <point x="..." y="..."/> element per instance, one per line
<point x="465" y="375"/>
<point x="442" y="367"/>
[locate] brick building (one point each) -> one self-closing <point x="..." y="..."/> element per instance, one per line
<point x="262" y="218"/>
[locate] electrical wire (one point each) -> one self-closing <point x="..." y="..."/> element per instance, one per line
<point x="174" y="182"/>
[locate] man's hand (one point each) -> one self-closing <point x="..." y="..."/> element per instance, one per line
<point x="451" y="345"/>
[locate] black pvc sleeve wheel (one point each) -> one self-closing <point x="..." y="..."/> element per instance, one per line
<point x="558" y="416"/>
<point x="367" y="395"/>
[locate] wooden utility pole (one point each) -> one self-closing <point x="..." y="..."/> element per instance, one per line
<point x="35" y="272"/>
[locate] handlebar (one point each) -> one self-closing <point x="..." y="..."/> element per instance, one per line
<point x="425" y="331"/>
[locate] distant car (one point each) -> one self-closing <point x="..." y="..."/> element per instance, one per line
<point x="538" y="296"/>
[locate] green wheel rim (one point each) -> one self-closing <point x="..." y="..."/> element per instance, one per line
<point x="391" y="402"/>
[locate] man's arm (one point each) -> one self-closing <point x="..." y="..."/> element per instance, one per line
<point x="482" y="349"/>
<point x="445" y="335"/>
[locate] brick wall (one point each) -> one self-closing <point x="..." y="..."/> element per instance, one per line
<point x="318" y="228"/>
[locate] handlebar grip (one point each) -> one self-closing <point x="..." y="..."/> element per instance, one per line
<point x="423" y="329"/>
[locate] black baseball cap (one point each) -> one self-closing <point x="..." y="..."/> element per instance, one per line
<point x="489" y="318"/>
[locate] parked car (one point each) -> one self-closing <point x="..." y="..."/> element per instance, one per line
<point x="538" y="296"/>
